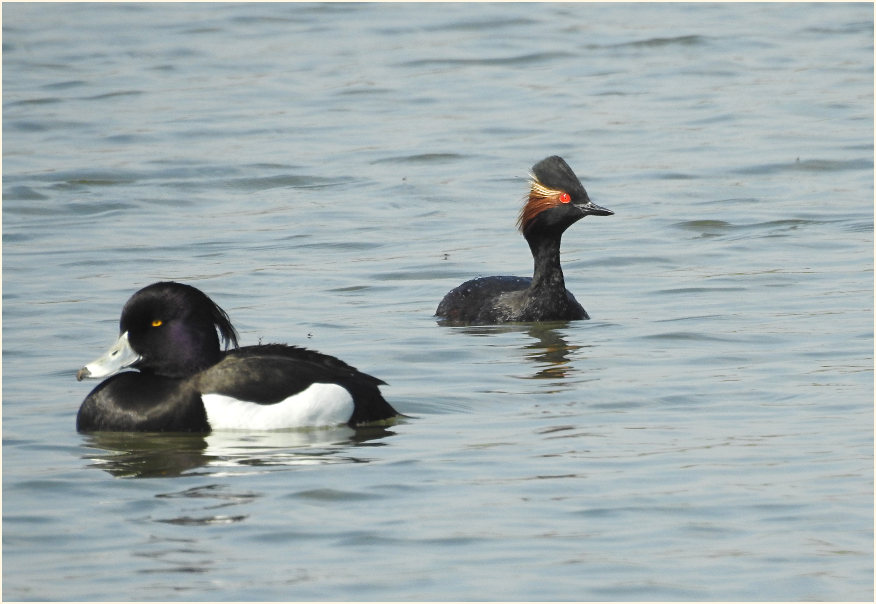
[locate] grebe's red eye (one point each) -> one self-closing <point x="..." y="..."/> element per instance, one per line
<point x="565" y="197"/>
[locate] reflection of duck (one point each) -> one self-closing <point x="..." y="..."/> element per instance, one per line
<point x="291" y="447"/>
<point x="186" y="383"/>
<point x="155" y="455"/>
<point x="556" y="201"/>
<point x="143" y="455"/>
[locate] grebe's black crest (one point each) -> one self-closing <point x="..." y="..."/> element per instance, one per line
<point x="553" y="185"/>
<point x="556" y="200"/>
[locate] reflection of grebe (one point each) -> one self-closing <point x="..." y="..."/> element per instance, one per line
<point x="556" y="201"/>
<point x="186" y="383"/>
<point x="551" y="352"/>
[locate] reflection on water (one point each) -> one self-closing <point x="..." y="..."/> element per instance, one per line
<point x="215" y="497"/>
<point x="549" y="352"/>
<point x="155" y="455"/>
<point x="146" y="455"/>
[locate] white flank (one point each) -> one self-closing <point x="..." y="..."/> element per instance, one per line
<point x="318" y="405"/>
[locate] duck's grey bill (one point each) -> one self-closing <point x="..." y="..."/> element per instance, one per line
<point x="118" y="357"/>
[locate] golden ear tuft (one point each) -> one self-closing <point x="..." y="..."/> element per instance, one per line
<point x="540" y="190"/>
<point x="540" y="198"/>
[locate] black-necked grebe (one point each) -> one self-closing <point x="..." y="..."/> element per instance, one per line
<point x="556" y="201"/>
<point x="187" y="383"/>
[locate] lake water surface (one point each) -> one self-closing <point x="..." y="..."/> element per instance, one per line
<point x="327" y="173"/>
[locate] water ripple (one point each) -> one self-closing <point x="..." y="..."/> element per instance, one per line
<point x="809" y="165"/>
<point x="689" y="40"/>
<point x="418" y="158"/>
<point x="715" y="228"/>
<point x="521" y="60"/>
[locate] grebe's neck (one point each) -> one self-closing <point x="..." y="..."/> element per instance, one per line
<point x="547" y="274"/>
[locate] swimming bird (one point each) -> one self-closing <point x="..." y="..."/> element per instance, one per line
<point x="185" y="382"/>
<point x="556" y="201"/>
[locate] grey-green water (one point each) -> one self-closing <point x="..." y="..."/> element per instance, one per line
<point x="326" y="173"/>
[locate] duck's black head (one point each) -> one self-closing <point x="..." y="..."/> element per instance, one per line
<point x="173" y="328"/>
<point x="556" y="199"/>
<point x="167" y="329"/>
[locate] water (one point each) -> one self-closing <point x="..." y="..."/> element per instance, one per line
<point x="327" y="173"/>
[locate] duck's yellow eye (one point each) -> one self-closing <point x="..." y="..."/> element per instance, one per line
<point x="157" y="323"/>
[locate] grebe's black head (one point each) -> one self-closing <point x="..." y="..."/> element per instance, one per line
<point x="556" y="199"/>
<point x="168" y="329"/>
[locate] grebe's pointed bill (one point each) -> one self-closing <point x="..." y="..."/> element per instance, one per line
<point x="590" y="208"/>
